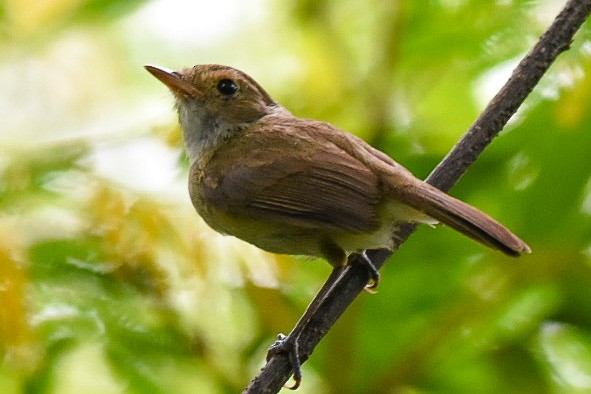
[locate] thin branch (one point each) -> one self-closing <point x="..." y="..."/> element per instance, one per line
<point x="350" y="281"/>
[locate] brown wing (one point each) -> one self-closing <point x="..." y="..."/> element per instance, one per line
<point x="291" y="175"/>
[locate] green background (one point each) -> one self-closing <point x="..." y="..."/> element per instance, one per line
<point x="110" y="283"/>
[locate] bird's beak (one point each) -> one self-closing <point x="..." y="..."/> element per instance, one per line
<point x="174" y="81"/>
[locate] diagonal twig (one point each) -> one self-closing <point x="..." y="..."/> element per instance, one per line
<point x="351" y="280"/>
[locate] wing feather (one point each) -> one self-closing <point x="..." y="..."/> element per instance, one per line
<point x="303" y="181"/>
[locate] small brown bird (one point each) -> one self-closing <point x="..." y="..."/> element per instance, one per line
<point x="299" y="186"/>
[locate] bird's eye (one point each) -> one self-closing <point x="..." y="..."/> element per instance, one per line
<point x="227" y="87"/>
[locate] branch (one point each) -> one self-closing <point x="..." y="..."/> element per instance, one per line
<point x="345" y="284"/>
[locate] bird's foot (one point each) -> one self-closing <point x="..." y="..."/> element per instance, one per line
<point x="284" y="344"/>
<point x="374" y="274"/>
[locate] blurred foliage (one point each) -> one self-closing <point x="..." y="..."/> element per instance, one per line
<point x="110" y="283"/>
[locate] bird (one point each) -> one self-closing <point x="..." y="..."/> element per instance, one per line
<point x="299" y="186"/>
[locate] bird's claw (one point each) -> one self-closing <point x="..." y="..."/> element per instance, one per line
<point x="374" y="274"/>
<point x="284" y="344"/>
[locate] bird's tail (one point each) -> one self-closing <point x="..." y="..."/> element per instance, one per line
<point x="461" y="217"/>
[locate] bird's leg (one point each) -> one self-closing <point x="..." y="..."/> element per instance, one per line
<point x="289" y="344"/>
<point x="374" y="274"/>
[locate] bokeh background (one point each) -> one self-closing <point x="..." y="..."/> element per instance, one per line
<point x="110" y="283"/>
